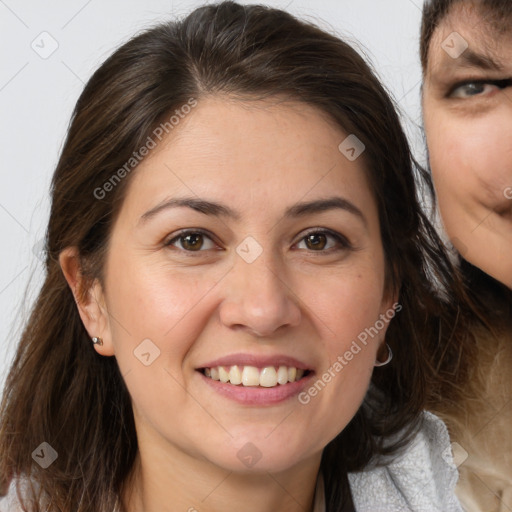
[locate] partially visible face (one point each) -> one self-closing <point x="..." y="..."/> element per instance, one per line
<point x="246" y="240"/>
<point x="467" y="105"/>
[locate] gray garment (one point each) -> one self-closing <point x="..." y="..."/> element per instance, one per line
<point x="422" y="479"/>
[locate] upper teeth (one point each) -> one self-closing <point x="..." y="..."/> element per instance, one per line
<point x="252" y="376"/>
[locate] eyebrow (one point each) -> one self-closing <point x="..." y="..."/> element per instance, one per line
<point x="199" y="205"/>
<point x="322" y="205"/>
<point x="479" y="60"/>
<point x="219" y="210"/>
<point x="472" y="59"/>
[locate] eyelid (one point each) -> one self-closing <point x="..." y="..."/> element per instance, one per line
<point x="501" y="83"/>
<point x="341" y="239"/>
<point x="189" y="231"/>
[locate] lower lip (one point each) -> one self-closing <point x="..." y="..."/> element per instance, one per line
<point x="255" y="395"/>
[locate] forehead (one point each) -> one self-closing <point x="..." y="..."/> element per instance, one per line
<point x="266" y="134"/>
<point x="483" y="40"/>
<point x="244" y="152"/>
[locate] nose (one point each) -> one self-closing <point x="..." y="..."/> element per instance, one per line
<point x="258" y="300"/>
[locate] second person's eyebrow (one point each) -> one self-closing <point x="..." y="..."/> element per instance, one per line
<point x="474" y="59"/>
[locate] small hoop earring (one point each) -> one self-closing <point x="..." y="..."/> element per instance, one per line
<point x="97" y="341"/>
<point x="388" y="359"/>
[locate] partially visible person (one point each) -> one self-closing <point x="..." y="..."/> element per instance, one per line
<point x="466" y="54"/>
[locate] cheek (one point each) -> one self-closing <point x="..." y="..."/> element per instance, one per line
<point x="486" y="155"/>
<point x="155" y="302"/>
<point x="157" y="316"/>
<point x="353" y="307"/>
<point x="352" y="331"/>
<point x="471" y="159"/>
<point x="446" y="149"/>
<point x="349" y="310"/>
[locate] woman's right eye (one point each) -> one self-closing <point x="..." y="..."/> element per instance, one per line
<point x="192" y="241"/>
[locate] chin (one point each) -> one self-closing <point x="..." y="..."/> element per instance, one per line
<point x="244" y="455"/>
<point x="260" y="462"/>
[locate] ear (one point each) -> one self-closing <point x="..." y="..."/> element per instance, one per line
<point x="90" y="300"/>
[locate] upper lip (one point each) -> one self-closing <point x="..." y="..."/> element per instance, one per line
<point x="257" y="361"/>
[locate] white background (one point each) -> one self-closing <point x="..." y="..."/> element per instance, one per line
<point x="37" y="96"/>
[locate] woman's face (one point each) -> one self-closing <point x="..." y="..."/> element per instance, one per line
<point x="247" y="241"/>
<point x="467" y="106"/>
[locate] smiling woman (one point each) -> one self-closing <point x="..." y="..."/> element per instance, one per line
<point x="270" y="247"/>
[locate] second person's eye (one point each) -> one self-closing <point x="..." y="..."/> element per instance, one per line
<point x="478" y="88"/>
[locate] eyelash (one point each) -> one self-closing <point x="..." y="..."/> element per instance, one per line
<point x="501" y="84"/>
<point x="183" y="234"/>
<point x="340" y="239"/>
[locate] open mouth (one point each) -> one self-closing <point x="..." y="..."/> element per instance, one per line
<point x="267" y="377"/>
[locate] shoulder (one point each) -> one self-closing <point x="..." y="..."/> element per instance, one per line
<point x="10" y="501"/>
<point x="422" y="478"/>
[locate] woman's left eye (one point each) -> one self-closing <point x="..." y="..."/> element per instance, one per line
<point x="192" y="241"/>
<point x="322" y="240"/>
<point x="478" y="88"/>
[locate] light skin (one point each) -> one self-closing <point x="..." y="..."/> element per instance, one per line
<point x="303" y="297"/>
<point x="467" y="104"/>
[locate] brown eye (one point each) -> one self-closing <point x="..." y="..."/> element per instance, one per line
<point x="324" y="241"/>
<point x="316" y="241"/>
<point x="191" y="241"/>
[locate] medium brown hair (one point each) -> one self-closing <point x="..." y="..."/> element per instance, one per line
<point x="59" y="390"/>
